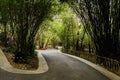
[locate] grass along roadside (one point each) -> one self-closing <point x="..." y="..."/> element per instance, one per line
<point x="109" y="64"/>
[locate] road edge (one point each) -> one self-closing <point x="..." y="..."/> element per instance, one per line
<point x="5" y="65"/>
<point x="104" y="71"/>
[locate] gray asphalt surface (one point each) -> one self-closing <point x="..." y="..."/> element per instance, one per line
<point x="61" y="67"/>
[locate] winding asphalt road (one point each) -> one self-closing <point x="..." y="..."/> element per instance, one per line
<point x="61" y="67"/>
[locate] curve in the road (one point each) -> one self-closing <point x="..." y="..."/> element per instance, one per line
<point x="61" y="67"/>
<point x="5" y="65"/>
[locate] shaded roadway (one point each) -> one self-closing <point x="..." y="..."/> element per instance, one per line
<point x="61" y="67"/>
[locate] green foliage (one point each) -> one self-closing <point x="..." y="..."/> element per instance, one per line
<point x="25" y="18"/>
<point x="101" y="19"/>
<point x="61" y="29"/>
<point x="55" y="23"/>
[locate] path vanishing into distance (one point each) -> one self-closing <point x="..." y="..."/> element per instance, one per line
<point x="61" y="67"/>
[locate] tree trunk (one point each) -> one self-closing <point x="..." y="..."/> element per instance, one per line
<point x="25" y="49"/>
<point x="5" y="33"/>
